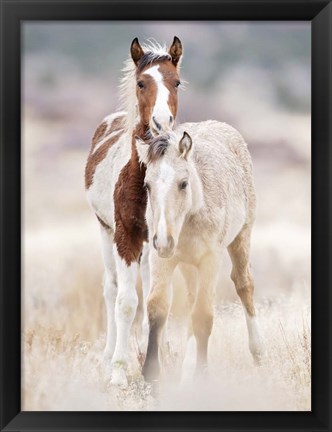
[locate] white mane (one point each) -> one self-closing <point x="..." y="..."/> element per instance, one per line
<point x="128" y="100"/>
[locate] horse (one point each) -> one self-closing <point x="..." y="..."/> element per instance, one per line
<point x="201" y="200"/>
<point x="114" y="181"/>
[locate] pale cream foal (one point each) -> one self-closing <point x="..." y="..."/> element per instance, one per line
<point x="201" y="199"/>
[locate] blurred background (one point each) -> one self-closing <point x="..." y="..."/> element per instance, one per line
<point x="252" y="75"/>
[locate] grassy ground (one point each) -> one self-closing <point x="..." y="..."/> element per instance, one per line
<point x="63" y="340"/>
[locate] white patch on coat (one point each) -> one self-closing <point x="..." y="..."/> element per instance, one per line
<point x="161" y="109"/>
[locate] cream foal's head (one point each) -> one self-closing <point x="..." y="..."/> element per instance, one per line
<point x="170" y="181"/>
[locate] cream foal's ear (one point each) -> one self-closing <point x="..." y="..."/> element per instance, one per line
<point x="185" y="145"/>
<point x="142" y="150"/>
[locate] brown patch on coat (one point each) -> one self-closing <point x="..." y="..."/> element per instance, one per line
<point x="101" y="130"/>
<point x="130" y="200"/>
<point x="117" y="124"/>
<point x="99" y="134"/>
<point x="97" y="156"/>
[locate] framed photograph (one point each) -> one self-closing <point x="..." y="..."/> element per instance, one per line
<point x="165" y="215"/>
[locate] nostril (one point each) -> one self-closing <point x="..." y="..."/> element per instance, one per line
<point x="171" y="118"/>
<point x="158" y="125"/>
<point x="154" y="241"/>
<point x="170" y="242"/>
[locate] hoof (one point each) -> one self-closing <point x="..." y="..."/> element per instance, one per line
<point x="119" y="377"/>
<point x="258" y="354"/>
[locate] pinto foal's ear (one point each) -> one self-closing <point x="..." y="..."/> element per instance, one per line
<point x="142" y="150"/>
<point x="185" y="145"/>
<point x="136" y="51"/>
<point x="175" y="50"/>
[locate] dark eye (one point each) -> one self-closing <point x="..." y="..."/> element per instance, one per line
<point x="140" y="84"/>
<point x="183" y="185"/>
<point x="177" y="84"/>
<point x="147" y="187"/>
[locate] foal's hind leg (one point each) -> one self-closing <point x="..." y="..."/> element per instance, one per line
<point x="110" y="289"/>
<point x="244" y="284"/>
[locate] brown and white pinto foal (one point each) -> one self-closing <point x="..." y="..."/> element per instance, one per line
<point x="114" y="180"/>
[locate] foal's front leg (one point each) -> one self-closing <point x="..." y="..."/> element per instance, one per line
<point x="158" y="308"/>
<point x="145" y="275"/>
<point x="190" y="276"/>
<point x="125" y="310"/>
<point x="110" y="290"/>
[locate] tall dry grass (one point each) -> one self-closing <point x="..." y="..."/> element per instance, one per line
<point x="64" y="337"/>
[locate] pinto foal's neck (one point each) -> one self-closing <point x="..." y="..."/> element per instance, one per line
<point x="130" y="201"/>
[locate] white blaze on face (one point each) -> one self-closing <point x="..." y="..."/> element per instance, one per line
<point x="161" y="111"/>
<point x="163" y="186"/>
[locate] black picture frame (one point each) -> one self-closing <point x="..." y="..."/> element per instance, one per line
<point x="13" y="14"/>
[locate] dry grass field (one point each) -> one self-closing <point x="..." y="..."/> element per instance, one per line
<point x="63" y="339"/>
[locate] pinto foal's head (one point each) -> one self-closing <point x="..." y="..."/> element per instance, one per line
<point x="157" y="79"/>
<point x="172" y="188"/>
